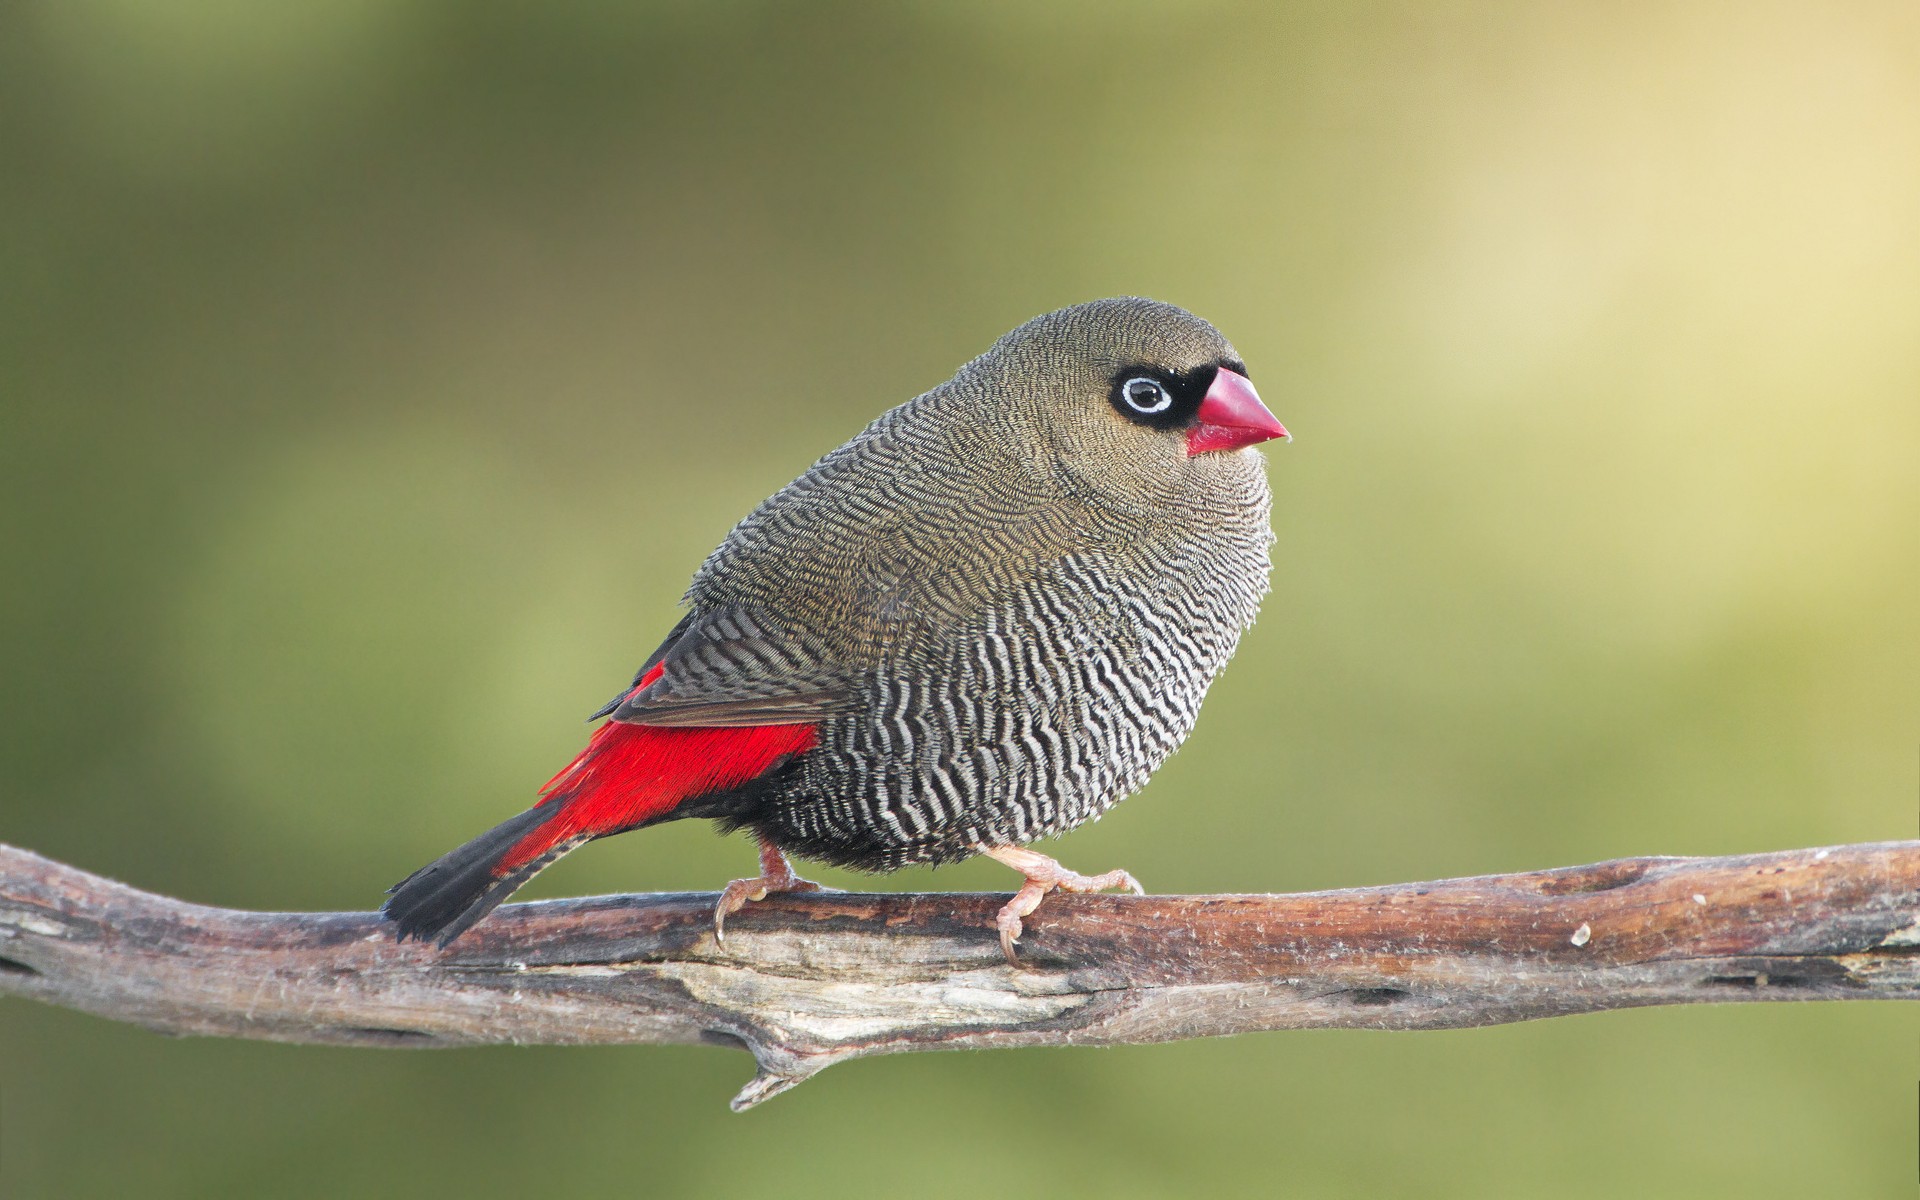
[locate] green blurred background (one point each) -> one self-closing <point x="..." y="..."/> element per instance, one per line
<point x="376" y="373"/>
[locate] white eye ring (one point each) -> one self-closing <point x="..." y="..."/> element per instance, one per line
<point x="1157" y="399"/>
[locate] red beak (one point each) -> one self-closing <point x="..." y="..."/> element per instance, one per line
<point x="1231" y="416"/>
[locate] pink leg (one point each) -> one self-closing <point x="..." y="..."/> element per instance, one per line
<point x="1044" y="875"/>
<point x="776" y="875"/>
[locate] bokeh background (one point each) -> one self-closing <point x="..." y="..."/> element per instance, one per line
<point x="375" y="373"/>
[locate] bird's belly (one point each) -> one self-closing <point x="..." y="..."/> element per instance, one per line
<point x="1035" y="718"/>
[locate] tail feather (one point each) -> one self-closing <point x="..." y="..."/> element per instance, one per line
<point x="443" y="899"/>
<point x="628" y="776"/>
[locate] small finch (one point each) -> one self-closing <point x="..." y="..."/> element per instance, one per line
<point x="981" y="622"/>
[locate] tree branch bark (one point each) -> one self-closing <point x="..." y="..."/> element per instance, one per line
<point x="805" y="981"/>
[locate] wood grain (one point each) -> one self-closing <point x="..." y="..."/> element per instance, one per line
<point x="805" y="981"/>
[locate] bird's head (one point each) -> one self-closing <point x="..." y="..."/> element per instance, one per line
<point x="1133" y="397"/>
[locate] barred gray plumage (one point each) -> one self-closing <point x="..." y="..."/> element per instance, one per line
<point x="984" y="620"/>
<point x="1026" y="645"/>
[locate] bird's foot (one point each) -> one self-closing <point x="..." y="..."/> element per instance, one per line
<point x="1044" y="875"/>
<point x="776" y="875"/>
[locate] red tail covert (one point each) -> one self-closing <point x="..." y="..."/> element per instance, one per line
<point x="631" y="774"/>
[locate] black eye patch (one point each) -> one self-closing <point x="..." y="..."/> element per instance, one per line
<point x="1159" y="398"/>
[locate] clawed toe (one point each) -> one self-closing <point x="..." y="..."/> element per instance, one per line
<point x="734" y="897"/>
<point x="776" y="875"/>
<point x="1071" y="882"/>
<point x="1011" y="927"/>
<point x="1044" y="875"/>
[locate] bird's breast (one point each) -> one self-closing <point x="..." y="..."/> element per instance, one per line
<point x="1041" y="708"/>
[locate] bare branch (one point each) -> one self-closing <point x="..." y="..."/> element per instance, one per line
<point x="805" y="981"/>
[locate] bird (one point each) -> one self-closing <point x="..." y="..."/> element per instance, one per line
<point x="981" y="622"/>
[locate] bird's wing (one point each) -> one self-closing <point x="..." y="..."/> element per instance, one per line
<point x="732" y="666"/>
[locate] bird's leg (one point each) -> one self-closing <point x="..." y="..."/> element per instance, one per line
<point x="776" y="875"/>
<point x="1044" y="875"/>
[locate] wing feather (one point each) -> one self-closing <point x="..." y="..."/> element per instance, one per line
<point x="731" y="666"/>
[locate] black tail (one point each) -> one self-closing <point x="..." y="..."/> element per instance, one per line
<point x="444" y="898"/>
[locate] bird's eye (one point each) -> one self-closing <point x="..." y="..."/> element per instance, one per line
<point x="1145" y="395"/>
